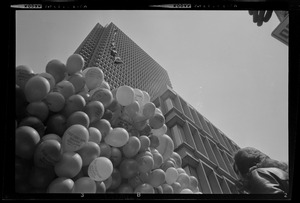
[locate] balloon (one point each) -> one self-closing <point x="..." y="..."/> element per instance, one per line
<point x="180" y="170"/>
<point x="166" y="146"/>
<point x="100" y="169"/>
<point x="100" y="187"/>
<point x="114" y="106"/>
<point x="84" y="185"/>
<point x="139" y="96"/>
<point x="69" y="165"/>
<point x="193" y="183"/>
<point x="55" y="101"/>
<point x="41" y="177"/>
<point x="167" y="189"/>
<point x="35" y="123"/>
<point x="145" y="163"/>
<point x="103" y="126"/>
<point x="26" y="139"/>
<point x="75" y="137"/>
<point x="158" y="111"/>
<point x="116" y="179"/>
<point x="158" y="160"/>
<point x="128" y="168"/>
<point x="78" y="81"/>
<point x="117" y="137"/>
<point x="125" y="188"/>
<point x="144" y="188"/>
<point x="85" y="95"/>
<point x="78" y="117"/>
<point x="89" y="152"/>
<point x="36" y="88"/>
<point x="61" y="185"/>
<point x="105" y="150"/>
<point x="108" y="182"/>
<point x="135" y="181"/>
<point x="157" y="177"/>
<point x="50" y="79"/>
<point x="56" y="124"/>
<point x="105" y="85"/>
<point x="145" y="142"/>
<point x="125" y="95"/>
<point x="171" y="175"/>
<point x="160" y="131"/>
<point x="149" y="110"/>
<point x="146" y="97"/>
<point x="57" y="69"/>
<point x="94" y="76"/>
<point x="132" y="147"/>
<point x="177" y="159"/>
<point x="176" y="187"/>
<point x="157" y="121"/>
<point x="84" y="71"/>
<point x="184" y="180"/>
<point x="104" y="96"/>
<point x="47" y="153"/>
<point x="51" y="137"/>
<point x="116" y="156"/>
<point x="74" y="103"/>
<point x="139" y="121"/>
<point x="94" y="135"/>
<point x="38" y="109"/>
<point x="23" y="74"/>
<point x="132" y="109"/>
<point x="95" y="110"/>
<point x="167" y="164"/>
<point x="154" y="141"/>
<point x="186" y="191"/>
<point x="64" y="87"/>
<point x="74" y="64"/>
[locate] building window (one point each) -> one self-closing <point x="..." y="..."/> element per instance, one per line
<point x="169" y="104"/>
<point x="177" y="135"/>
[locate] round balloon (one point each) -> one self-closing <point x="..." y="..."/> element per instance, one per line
<point x="84" y="185"/>
<point x="166" y="146"/>
<point x="117" y="137"/>
<point x="69" y="165"/>
<point x="74" y="64"/>
<point x="61" y="185"/>
<point x="36" y="88"/>
<point x="139" y="96"/>
<point x="57" y="69"/>
<point x="94" y="76"/>
<point x="78" y="81"/>
<point x="146" y="97"/>
<point x="125" y="95"/>
<point x="55" y="101"/>
<point x="23" y="74"/>
<point x="100" y="169"/>
<point x="75" y="137"/>
<point x="50" y="79"/>
<point x="171" y="175"/>
<point x="26" y="140"/>
<point x="149" y="110"/>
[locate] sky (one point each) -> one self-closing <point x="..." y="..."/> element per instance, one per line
<point x="229" y="69"/>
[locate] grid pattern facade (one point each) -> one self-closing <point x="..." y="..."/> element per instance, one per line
<point x="207" y="153"/>
<point x="138" y="69"/>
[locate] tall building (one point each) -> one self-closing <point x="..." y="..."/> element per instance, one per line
<point x="207" y="153"/>
<point x="123" y="62"/>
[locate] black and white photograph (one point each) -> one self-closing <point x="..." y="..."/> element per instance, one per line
<point x="154" y="101"/>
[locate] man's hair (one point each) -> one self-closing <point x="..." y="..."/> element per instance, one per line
<point x="248" y="157"/>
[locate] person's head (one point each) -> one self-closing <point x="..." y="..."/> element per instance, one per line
<point x="248" y="157"/>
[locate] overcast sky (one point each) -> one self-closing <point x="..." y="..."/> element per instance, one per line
<point x="233" y="72"/>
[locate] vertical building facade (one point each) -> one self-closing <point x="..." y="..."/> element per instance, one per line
<point x="122" y="61"/>
<point x="207" y="153"/>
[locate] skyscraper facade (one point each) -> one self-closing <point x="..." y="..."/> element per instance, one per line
<point x="122" y="61"/>
<point x="206" y="152"/>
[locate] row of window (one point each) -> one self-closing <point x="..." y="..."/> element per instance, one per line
<point x="210" y="182"/>
<point x="204" y="126"/>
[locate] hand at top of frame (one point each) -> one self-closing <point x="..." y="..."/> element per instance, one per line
<point x="260" y="16"/>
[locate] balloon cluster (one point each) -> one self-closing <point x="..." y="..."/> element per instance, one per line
<point x="75" y="135"/>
